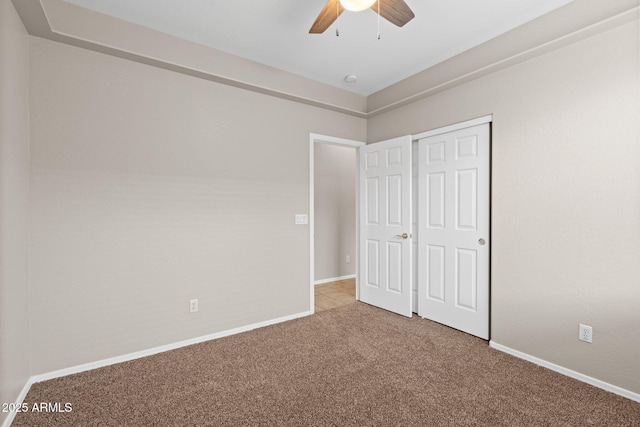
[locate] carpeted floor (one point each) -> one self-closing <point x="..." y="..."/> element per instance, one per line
<point x="354" y="365"/>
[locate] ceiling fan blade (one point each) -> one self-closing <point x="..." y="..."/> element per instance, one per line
<point x="395" y="11"/>
<point x="326" y="17"/>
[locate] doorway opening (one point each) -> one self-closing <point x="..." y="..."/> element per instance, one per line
<point x="333" y="213"/>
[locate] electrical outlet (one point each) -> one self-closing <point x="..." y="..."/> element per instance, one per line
<point x="193" y="305"/>
<point x="585" y="333"/>
<point x="348" y="258"/>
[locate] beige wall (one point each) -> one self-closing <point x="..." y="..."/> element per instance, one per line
<point x="565" y="199"/>
<point x="14" y="206"/>
<point x="335" y="211"/>
<point x="150" y="188"/>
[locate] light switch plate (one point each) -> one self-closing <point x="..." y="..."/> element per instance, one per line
<point x="302" y="219"/>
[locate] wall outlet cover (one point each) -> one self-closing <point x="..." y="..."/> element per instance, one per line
<point x="585" y="333"/>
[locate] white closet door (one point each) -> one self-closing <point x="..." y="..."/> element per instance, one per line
<point x="453" y="272"/>
<point x="385" y="225"/>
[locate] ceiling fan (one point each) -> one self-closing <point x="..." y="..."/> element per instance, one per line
<point x="395" y="11"/>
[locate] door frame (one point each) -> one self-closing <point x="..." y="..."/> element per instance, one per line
<point x="456" y="126"/>
<point x="315" y="138"/>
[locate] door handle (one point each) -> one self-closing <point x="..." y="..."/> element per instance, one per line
<point x="481" y="241"/>
<point x="403" y="235"/>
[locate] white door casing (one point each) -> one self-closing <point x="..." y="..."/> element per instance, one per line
<point x="453" y="228"/>
<point x="385" y="216"/>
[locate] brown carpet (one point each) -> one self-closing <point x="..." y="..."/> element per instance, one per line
<point x="354" y="365"/>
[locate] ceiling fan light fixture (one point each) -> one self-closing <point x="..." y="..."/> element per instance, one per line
<point x="357" y="5"/>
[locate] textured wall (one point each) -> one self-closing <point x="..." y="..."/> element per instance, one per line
<point x="14" y="204"/>
<point x="565" y="199"/>
<point x="150" y="188"/>
<point x="335" y="211"/>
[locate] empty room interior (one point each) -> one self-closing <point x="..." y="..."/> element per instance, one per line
<point x="181" y="174"/>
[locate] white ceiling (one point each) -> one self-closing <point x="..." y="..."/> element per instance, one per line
<point x="275" y="33"/>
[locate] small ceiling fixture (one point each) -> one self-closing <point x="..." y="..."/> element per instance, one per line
<point x="351" y="78"/>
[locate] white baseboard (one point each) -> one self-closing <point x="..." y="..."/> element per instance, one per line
<point x="139" y="354"/>
<point x="568" y="372"/>
<point x="334" y="279"/>
<point x="23" y="393"/>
